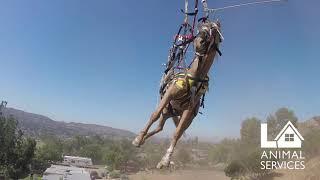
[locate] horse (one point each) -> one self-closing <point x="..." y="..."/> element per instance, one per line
<point x="181" y="99"/>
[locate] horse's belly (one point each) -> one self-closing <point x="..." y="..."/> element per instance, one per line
<point x="181" y="103"/>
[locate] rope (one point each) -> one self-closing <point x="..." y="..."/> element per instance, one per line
<point x="186" y="10"/>
<point x="205" y="8"/>
<point x="240" y="5"/>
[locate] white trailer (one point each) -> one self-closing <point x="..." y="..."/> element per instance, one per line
<point x="77" y="161"/>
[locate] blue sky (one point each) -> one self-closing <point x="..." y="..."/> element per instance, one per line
<point x="100" y="61"/>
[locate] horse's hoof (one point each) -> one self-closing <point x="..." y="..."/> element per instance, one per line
<point x="137" y="142"/>
<point x="164" y="163"/>
<point x="161" y="165"/>
<point x="142" y="141"/>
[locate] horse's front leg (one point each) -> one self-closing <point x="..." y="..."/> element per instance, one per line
<point x="154" y="116"/>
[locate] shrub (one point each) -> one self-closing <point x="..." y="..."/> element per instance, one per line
<point x="235" y="169"/>
<point x="252" y="163"/>
<point x="114" y="174"/>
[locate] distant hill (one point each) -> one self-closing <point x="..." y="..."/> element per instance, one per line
<point x="38" y="125"/>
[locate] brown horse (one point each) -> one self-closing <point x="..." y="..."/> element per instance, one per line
<point x="181" y="99"/>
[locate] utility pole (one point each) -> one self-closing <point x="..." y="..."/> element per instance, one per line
<point x="2" y="107"/>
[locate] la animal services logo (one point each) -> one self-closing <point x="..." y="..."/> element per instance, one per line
<point x="284" y="152"/>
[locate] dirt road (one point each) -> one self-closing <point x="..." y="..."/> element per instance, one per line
<point x="181" y="175"/>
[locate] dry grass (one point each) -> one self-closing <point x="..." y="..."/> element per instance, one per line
<point x="312" y="172"/>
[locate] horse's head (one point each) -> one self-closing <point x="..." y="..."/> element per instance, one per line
<point x="209" y="37"/>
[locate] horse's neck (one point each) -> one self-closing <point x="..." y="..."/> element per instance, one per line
<point x="200" y="68"/>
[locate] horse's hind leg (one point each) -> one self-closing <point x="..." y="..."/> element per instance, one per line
<point x="154" y="116"/>
<point x="162" y="121"/>
<point x="176" y="120"/>
<point x="184" y="123"/>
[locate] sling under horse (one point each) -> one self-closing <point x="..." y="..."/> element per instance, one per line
<point x="181" y="99"/>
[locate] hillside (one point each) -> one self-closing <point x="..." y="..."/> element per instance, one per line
<point x="38" y="125"/>
<point x="311" y="124"/>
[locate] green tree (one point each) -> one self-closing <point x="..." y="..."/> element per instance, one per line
<point x="51" y="150"/>
<point x="250" y="131"/>
<point x="278" y="120"/>
<point x="93" y="151"/>
<point x="16" y="152"/>
<point x="114" y="157"/>
<point x="119" y="154"/>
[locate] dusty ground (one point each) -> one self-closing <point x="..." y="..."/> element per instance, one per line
<point x="181" y="175"/>
<point x="312" y="172"/>
<point x="219" y="175"/>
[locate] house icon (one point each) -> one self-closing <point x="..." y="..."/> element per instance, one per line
<point x="288" y="137"/>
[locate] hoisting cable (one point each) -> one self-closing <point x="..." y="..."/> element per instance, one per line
<point x="243" y="4"/>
